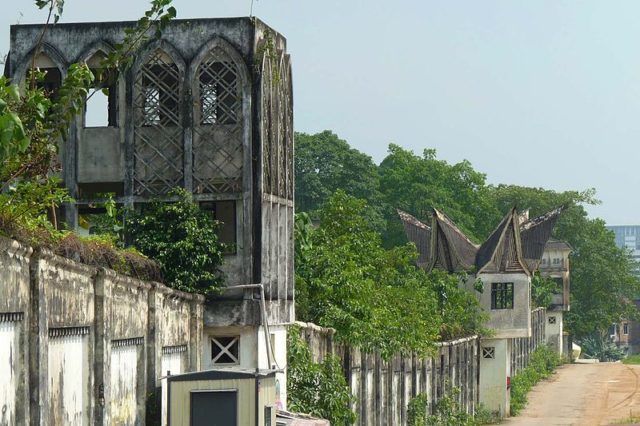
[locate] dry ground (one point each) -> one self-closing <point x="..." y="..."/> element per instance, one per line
<point x="584" y="394"/>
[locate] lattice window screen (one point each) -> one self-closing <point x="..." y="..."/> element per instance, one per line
<point x="282" y="143"/>
<point x="289" y="132"/>
<point x="218" y="132"/>
<point x="158" y="152"/>
<point x="266" y="124"/>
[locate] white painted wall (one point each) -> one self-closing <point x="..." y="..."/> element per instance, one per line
<point x="278" y="339"/>
<point x="553" y="332"/>
<point x="124" y="378"/>
<point x="248" y="351"/>
<point x="514" y="322"/>
<point x="9" y="345"/>
<point x="68" y="380"/>
<point x="493" y="391"/>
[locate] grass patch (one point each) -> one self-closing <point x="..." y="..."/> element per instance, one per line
<point x="631" y="420"/>
<point x="632" y="359"/>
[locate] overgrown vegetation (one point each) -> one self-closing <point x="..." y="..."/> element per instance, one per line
<point x="600" y="346"/>
<point x="182" y="239"/>
<point x="319" y="389"/>
<point x="542" y="362"/>
<point x="447" y="412"/>
<point x="374" y="297"/>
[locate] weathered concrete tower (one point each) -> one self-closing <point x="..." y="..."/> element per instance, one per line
<point x="207" y="107"/>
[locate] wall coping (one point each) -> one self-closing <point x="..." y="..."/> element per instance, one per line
<point x="457" y="341"/>
<point x="15" y="248"/>
<point x="171" y="292"/>
<point x="315" y="327"/>
<point x="69" y="264"/>
<point x="123" y="279"/>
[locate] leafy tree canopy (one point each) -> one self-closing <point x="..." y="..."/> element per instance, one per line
<point x="375" y="297"/>
<point x="182" y="238"/>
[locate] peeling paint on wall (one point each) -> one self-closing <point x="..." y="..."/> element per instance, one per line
<point x="68" y="380"/>
<point x="8" y="372"/>
<point x="124" y="378"/>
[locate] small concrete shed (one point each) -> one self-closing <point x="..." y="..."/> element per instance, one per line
<point x="225" y="397"/>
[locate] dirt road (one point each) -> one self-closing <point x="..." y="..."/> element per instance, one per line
<point x="584" y="394"/>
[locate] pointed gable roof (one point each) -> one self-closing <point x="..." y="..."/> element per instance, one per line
<point x="502" y="251"/>
<point x="451" y="250"/>
<point x="535" y="234"/>
<point x="419" y="234"/>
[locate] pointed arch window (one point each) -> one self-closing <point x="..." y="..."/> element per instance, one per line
<point x="53" y="77"/>
<point x="101" y="108"/>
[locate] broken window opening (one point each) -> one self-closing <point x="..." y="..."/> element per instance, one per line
<point x="51" y="82"/>
<point x="219" y="102"/>
<point x="101" y="106"/>
<point x="225" y="213"/>
<point x="501" y="295"/>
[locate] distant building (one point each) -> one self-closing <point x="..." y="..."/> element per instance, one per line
<point x="628" y="236"/>
<point x="627" y="334"/>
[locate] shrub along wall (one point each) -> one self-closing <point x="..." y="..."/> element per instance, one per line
<point x="382" y="389"/>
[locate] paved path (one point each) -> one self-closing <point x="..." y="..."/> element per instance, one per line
<point x="584" y="395"/>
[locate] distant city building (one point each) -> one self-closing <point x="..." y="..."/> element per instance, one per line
<point x="627" y="334"/>
<point x="628" y="236"/>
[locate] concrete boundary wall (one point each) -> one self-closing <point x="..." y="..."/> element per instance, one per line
<point x="383" y="389"/>
<point x="522" y="347"/>
<point x="69" y="323"/>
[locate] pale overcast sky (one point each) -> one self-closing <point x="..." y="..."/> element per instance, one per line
<point x="538" y="93"/>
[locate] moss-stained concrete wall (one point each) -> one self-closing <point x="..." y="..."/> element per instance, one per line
<point x="84" y="345"/>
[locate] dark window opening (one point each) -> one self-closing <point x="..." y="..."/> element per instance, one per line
<point x="225" y="213"/>
<point x="501" y="295"/>
<point x="90" y="191"/>
<point x="160" y="91"/>
<point x="218" y="93"/>
<point x="51" y="82"/>
<point x="625" y="328"/>
<point x="225" y="349"/>
<point x="101" y="108"/>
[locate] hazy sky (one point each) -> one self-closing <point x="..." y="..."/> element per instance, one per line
<point x="536" y="93"/>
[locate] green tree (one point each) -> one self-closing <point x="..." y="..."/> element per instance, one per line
<point x="319" y="389"/>
<point x="182" y="239"/>
<point x="416" y="184"/>
<point x="325" y="163"/>
<point x="375" y="298"/>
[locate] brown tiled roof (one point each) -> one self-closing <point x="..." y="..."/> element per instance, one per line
<point x="419" y="234"/>
<point x="558" y="245"/>
<point x="501" y="252"/>
<point x="452" y="250"/>
<point x="535" y="233"/>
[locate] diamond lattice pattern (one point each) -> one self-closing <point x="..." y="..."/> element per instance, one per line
<point x="218" y="132"/>
<point x="158" y="152"/>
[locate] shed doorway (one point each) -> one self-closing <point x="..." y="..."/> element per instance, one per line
<point x="214" y="408"/>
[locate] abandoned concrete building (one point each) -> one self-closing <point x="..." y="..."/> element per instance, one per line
<point x="207" y="107"/>
<point x="499" y="273"/>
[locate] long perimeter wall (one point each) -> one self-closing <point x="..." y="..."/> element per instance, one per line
<point x="383" y="389"/>
<point x="82" y="345"/>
